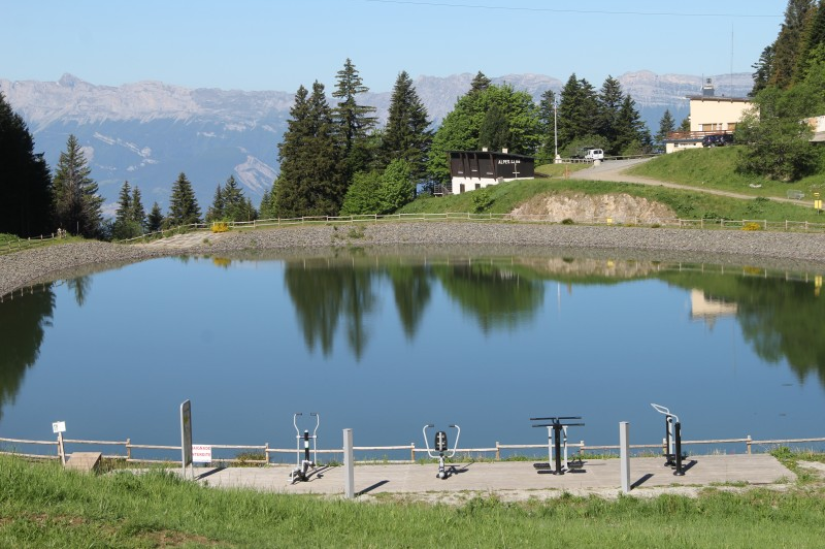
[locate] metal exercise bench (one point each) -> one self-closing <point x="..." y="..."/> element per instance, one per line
<point x="673" y="440"/>
<point x="557" y="446"/>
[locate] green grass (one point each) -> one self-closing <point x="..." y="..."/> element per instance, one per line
<point x="44" y="506"/>
<point x="715" y="168"/>
<point x="505" y="197"/>
<point x="10" y="243"/>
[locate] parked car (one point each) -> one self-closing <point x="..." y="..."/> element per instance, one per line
<point x="717" y="140"/>
<point x="594" y="154"/>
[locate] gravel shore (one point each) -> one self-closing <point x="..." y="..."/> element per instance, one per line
<point x="759" y="248"/>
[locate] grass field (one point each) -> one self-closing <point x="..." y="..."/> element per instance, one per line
<point x="504" y="197"/>
<point x="43" y="506"/>
<point x="715" y="168"/>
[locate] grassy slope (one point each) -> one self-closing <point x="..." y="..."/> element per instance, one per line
<point x="715" y="168"/>
<point x="687" y="204"/>
<point x="43" y="506"/>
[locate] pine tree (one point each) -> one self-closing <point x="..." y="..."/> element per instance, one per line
<point x="666" y="126"/>
<point x="26" y="203"/>
<point x="354" y="121"/>
<point x="762" y="68"/>
<point x="547" y="121"/>
<point x="77" y="202"/>
<point x="154" y="221"/>
<point x="407" y="134"/>
<point x="183" y="207"/>
<point x="494" y="133"/>
<point x="480" y="83"/>
<point x="311" y="181"/>
<point x="138" y="215"/>
<point x="124" y="226"/>
<point x="633" y="136"/>
<point x="216" y="210"/>
<point x="790" y="43"/>
<point x="578" y="111"/>
<point x="611" y="98"/>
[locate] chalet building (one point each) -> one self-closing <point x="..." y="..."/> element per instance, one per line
<point x="471" y="170"/>
<point x="709" y="116"/>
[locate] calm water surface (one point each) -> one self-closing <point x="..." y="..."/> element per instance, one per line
<point x="386" y="345"/>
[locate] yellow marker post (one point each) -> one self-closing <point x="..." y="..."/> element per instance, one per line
<point x="817" y="203"/>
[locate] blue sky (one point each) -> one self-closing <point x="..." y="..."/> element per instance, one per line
<point x="279" y="45"/>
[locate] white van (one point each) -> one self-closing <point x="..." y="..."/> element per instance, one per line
<point x="594" y="154"/>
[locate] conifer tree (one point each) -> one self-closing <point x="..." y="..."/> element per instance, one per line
<point x="77" y="202"/>
<point x="666" y="125"/>
<point x="790" y="43"/>
<point x="154" y="221"/>
<point x="494" y="133"/>
<point x="578" y="111"/>
<point x="407" y="134"/>
<point x="633" y="136"/>
<point x="480" y="83"/>
<point x="183" y="206"/>
<point x="125" y="225"/>
<point x="611" y="98"/>
<point x="26" y="204"/>
<point x="354" y="121"/>
<point x="215" y="211"/>
<point x="138" y="215"/>
<point x="547" y="121"/>
<point x="311" y="180"/>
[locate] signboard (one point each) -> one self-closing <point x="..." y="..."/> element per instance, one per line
<point x="186" y="433"/>
<point x="59" y="427"/>
<point x="201" y="453"/>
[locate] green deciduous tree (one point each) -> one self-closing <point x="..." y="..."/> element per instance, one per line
<point x="26" y="205"/>
<point x="407" y="134"/>
<point x="77" y="202"/>
<point x="364" y="194"/>
<point x="183" y="207"/>
<point x="461" y="128"/>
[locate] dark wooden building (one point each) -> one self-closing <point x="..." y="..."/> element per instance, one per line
<point x="472" y="170"/>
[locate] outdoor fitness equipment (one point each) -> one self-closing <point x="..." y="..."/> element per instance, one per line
<point x="306" y="467"/>
<point x="673" y="440"/>
<point x="441" y="449"/>
<point x="557" y="446"/>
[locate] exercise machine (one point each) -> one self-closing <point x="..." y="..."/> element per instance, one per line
<point x="673" y="440"/>
<point x="557" y="446"/>
<point x="442" y="450"/>
<point x="306" y="467"/>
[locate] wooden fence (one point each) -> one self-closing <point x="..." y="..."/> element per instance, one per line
<point x="262" y="454"/>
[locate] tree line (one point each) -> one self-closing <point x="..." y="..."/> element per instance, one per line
<point x="789" y="86"/>
<point x="334" y="158"/>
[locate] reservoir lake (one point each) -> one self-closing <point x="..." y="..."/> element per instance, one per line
<point x="384" y="345"/>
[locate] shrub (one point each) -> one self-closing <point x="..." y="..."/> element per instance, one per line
<point x="751" y="227"/>
<point x="220" y="227"/>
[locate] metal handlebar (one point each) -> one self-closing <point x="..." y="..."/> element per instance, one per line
<point x="664" y="410"/>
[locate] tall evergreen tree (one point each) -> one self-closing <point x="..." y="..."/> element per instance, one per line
<point x="480" y="83"/>
<point x="578" y="111"/>
<point x="354" y="121"/>
<point x="790" y="43"/>
<point x="183" y="207"/>
<point x="666" y="125"/>
<point x="125" y="225"/>
<point x="26" y="206"/>
<point x="762" y="71"/>
<point x="311" y="181"/>
<point x="230" y="204"/>
<point x="138" y="214"/>
<point x="407" y="135"/>
<point x="77" y="202"/>
<point x="611" y="98"/>
<point x="547" y="121"/>
<point x="154" y="221"/>
<point x="215" y="211"/>
<point x="494" y="133"/>
<point x="633" y="136"/>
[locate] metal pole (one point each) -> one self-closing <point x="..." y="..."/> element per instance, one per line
<point x="678" y="436"/>
<point x="349" y="481"/>
<point x="556" y="127"/>
<point x="624" y="444"/>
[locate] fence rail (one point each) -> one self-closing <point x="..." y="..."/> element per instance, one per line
<point x="763" y="224"/>
<point x="7" y="448"/>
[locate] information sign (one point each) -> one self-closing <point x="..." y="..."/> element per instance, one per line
<point x="201" y="453"/>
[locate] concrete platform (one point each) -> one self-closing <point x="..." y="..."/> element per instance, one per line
<point x="598" y="476"/>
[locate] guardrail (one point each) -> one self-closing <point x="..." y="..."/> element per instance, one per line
<point x="261" y="454"/>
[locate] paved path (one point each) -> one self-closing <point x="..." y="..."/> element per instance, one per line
<point x="511" y="480"/>
<point x="614" y="170"/>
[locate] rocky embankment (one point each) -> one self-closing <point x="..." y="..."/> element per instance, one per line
<point x="794" y="250"/>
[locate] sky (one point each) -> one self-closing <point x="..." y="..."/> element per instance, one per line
<point x="257" y="45"/>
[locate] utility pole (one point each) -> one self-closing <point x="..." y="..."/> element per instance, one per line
<point x="556" y="127"/>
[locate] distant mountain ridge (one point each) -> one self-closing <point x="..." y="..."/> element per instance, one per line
<point x="148" y="132"/>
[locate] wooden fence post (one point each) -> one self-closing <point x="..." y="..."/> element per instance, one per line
<point x="498" y="452"/>
<point x="128" y="449"/>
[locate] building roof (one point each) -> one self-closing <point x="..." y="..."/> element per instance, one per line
<point x="721" y="99"/>
<point x="494" y="153"/>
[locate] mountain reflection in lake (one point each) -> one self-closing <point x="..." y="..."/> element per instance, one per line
<point x="385" y="345"/>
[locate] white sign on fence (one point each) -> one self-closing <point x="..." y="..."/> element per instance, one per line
<point x="59" y="427"/>
<point x="201" y="453"/>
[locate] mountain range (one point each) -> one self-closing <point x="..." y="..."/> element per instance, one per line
<point x="149" y="132"/>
